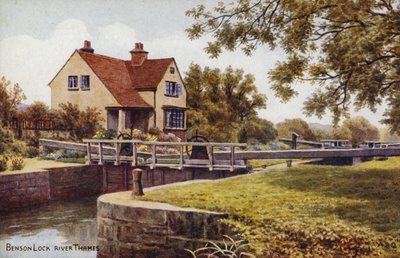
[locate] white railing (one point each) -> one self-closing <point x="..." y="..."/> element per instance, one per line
<point x="211" y="163"/>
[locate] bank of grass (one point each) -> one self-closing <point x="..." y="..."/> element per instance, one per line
<point x="76" y="160"/>
<point x="36" y="164"/>
<point x="309" y="210"/>
<point x="253" y="163"/>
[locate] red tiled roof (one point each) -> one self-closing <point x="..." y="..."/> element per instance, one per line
<point x="149" y="74"/>
<point x="123" y="80"/>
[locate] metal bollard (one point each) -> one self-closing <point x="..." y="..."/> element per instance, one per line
<point x="137" y="182"/>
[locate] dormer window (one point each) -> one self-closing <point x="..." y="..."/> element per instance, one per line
<point x="172" y="70"/>
<point x="85" y="82"/>
<point x="173" y="89"/>
<point x="73" y="82"/>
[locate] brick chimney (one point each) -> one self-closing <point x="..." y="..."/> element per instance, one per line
<point x="87" y="47"/>
<point x="138" y="55"/>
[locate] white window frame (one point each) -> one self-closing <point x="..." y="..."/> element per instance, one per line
<point x="84" y="86"/>
<point x="174" y="119"/>
<point x="73" y="82"/>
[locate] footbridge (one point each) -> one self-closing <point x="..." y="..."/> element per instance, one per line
<point x="155" y="154"/>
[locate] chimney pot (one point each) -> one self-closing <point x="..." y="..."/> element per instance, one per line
<point x="138" y="54"/>
<point x="87" y="47"/>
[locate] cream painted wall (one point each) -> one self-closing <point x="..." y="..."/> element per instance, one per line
<point x="162" y="100"/>
<point x="148" y="96"/>
<point x="98" y="96"/>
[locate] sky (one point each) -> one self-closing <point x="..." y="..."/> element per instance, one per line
<point x="37" y="37"/>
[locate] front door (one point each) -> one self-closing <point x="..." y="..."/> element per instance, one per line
<point x="112" y="120"/>
<point x="137" y="119"/>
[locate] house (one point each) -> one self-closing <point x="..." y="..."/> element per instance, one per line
<point x="137" y="93"/>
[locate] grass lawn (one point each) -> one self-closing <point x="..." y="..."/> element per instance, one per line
<point x="253" y="163"/>
<point x="35" y="164"/>
<point x="308" y="210"/>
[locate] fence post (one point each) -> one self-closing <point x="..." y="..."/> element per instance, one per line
<point x="153" y="156"/>
<point x="181" y="157"/>
<point x="232" y="158"/>
<point x="211" y="158"/>
<point x="117" y="154"/>
<point x="134" y="154"/>
<point x="294" y="146"/>
<point x="137" y="182"/>
<point x="101" y="153"/>
<point x="89" y="156"/>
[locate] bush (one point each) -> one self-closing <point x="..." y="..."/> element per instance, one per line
<point x="18" y="148"/>
<point x="17" y="163"/>
<point x="7" y="138"/>
<point x="229" y="249"/>
<point x="155" y="131"/>
<point x="3" y="163"/>
<point x="32" y="152"/>
<point x="103" y="133"/>
<point x="80" y="124"/>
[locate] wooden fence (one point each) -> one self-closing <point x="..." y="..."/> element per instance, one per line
<point x="40" y="124"/>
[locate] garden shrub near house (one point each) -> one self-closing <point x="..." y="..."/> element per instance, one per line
<point x="106" y="134"/>
<point x="80" y="124"/>
<point x="3" y="163"/>
<point x="16" y="163"/>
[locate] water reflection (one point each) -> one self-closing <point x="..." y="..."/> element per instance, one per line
<point x="63" y="229"/>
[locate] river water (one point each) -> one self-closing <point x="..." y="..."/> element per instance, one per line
<point x="60" y="229"/>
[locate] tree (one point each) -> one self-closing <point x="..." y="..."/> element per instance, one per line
<point x="80" y="124"/>
<point x="257" y="130"/>
<point x="37" y="111"/>
<point x="221" y="102"/>
<point x="10" y="97"/>
<point x="349" y="49"/>
<point x="357" y="130"/>
<point x="320" y="134"/>
<point x="386" y="136"/>
<point x="296" y="125"/>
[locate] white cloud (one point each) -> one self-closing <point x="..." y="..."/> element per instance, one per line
<point x="116" y="39"/>
<point x="33" y="63"/>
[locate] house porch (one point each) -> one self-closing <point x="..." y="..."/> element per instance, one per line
<point x="119" y="119"/>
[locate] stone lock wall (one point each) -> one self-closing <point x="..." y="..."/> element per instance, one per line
<point x="119" y="178"/>
<point x="19" y="190"/>
<point x="129" y="228"/>
<point x="34" y="188"/>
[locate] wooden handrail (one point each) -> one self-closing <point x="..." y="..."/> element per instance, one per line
<point x="220" y="144"/>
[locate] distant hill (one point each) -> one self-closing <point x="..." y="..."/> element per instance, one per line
<point x="22" y="106"/>
<point x="321" y="127"/>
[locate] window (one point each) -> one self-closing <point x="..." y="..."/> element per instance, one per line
<point x="173" y="89"/>
<point x="85" y="82"/>
<point x="174" y="119"/>
<point x="172" y="70"/>
<point x="73" y="82"/>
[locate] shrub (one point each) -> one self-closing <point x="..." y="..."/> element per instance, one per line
<point x="7" y="138"/>
<point x="229" y="249"/>
<point x="103" y="133"/>
<point x="155" y="131"/>
<point x="18" y="148"/>
<point x="32" y="152"/>
<point x="80" y="124"/>
<point x="3" y="163"/>
<point x="17" y="163"/>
